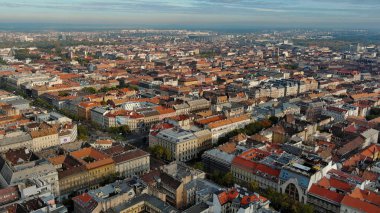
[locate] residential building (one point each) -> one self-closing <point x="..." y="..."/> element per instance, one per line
<point x="238" y="199"/>
<point x="183" y="145"/>
<point x="145" y="203"/>
<point x="222" y="127"/>
<point x="82" y="169"/>
<point x="104" y="198"/>
<point x="16" y="166"/>
<point x="129" y="161"/>
<point x="169" y="182"/>
<point x="246" y="169"/>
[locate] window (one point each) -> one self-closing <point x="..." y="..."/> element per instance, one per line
<point x="292" y="191"/>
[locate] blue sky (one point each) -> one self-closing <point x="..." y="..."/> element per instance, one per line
<point x="244" y="13"/>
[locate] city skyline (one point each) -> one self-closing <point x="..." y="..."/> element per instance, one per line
<point x="196" y="13"/>
<point x="213" y="106"/>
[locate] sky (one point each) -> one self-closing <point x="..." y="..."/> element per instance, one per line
<point x="201" y="13"/>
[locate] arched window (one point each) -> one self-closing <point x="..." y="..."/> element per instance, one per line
<point x="292" y="191"/>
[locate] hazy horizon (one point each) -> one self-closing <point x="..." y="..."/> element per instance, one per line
<point x="234" y="14"/>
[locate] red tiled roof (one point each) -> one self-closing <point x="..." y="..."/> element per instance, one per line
<point x="359" y="204"/>
<point x="252" y="166"/>
<point x="161" y="126"/>
<point x="371" y="176"/>
<point x="164" y="110"/>
<point x="86" y="202"/>
<point x="89" y="104"/>
<point x="342" y="175"/>
<point x="253" y="198"/>
<point x="210" y="119"/>
<point x="338" y="184"/>
<point x="254" y="154"/>
<point x="366" y="195"/>
<point x="224" y="197"/>
<point x="101" y="159"/>
<point x="133" y="154"/>
<point x="84" y="198"/>
<point x="336" y="109"/>
<point x="324" y="193"/>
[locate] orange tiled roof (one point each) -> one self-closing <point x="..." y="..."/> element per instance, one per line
<point x="227" y="121"/>
<point x="84" y="198"/>
<point x="101" y="159"/>
<point x="360" y="204"/>
<point x="251" y="166"/>
<point x="366" y="195"/>
<point x="89" y="104"/>
<point x="227" y="147"/>
<point x="164" y="110"/>
<point x="57" y="160"/>
<point x="371" y="176"/>
<point x="104" y="142"/>
<point x="210" y="119"/>
<point x="322" y="192"/>
<point x="220" y="123"/>
<point x="251" y="199"/>
<point x="224" y="197"/>
<point x="364" y="95"/>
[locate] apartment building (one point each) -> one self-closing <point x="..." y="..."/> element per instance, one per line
<point x="171" y="181"/>
<point x="184" y="145"/>
<point x="129" y="161"/>
<point x="19" y="165"/>
<point x="82" y="169"/>
<point x="43" y="135"/>
<point x="15" y="140"/>
<point x="222" y="127"/>
<point x="246" y="169"/>
<point x="106" y="197"/>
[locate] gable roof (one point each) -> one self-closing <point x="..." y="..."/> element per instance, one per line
<point x="326" y="194"/>
<point x="359" y="204"/>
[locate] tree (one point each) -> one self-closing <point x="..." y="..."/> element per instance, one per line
<point x="39" y="102"/>
<point x="199" y="166"/>
<point x="111" y="178"/>
<point x="2" y="62"/>
<point x="215" y="176"/>
<point x="104" y="89"/>
<point x="134" y="87"/>
<point x="83" y="61"/>
<point x="157" y="151"/>
<point x="122" y="84"/>
<point x="291" y="66"/>
<point x="167" y="155"/>
<point x="254" y="186"/>
<point x="113" y="130"/>
<point x="82" y="132"/>
<point x="283" y="203"/>
<point x="161" y="152"/>
<point x="307" y="208"/>
<point x="373" y="113"/>
<point x="23" y="54"/>
<point x="124" y="130"/>
<point x="228" y="179"/>
<point x="273" y="120"/>
<point x="121" y="130"/>
<point x="250" y="129"/>
<point x="89" y="90"/>
<point x="63" y="93"/>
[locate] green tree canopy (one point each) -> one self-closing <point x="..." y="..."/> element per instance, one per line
<point x="82" y="132"/>
<point x="89" y="90"/>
